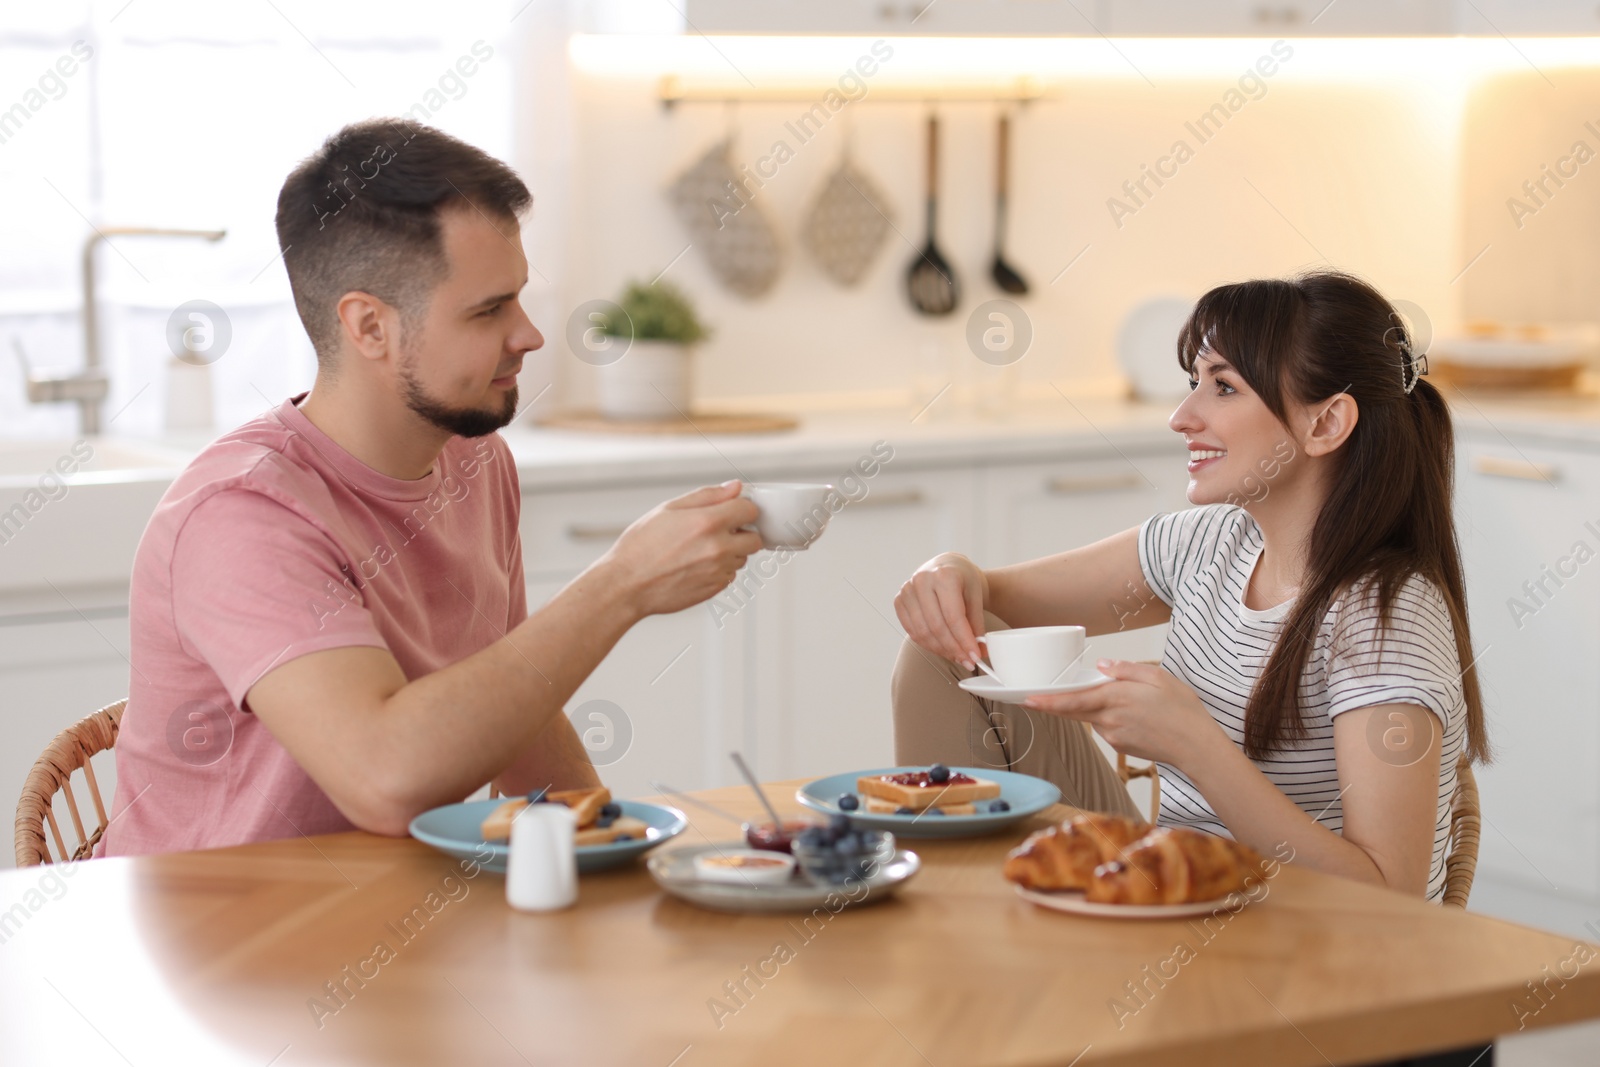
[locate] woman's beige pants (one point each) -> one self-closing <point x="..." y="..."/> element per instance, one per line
<point x="935" y="721"/>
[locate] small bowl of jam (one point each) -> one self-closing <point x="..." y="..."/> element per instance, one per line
<point x="775" y="837"/>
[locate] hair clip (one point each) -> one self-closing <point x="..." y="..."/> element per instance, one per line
<point x="1412" y="366"/>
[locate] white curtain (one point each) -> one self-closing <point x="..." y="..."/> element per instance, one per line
<point x="189" y="114"/>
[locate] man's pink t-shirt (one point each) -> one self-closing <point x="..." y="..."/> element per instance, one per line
<point x="274" y="543"/>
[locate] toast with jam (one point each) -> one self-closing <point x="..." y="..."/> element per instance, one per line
<point x="938" y="786"/>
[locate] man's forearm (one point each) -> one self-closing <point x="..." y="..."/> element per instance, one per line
<point x="511" y="693"/>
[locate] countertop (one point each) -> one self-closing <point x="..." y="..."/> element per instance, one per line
<point x="829" y="441"/>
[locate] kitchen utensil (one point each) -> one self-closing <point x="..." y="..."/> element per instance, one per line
<point x="725" y="222"/>
<point x="455" y="829"/>
<point x="738" y="761"/>
<point x="1025" y="794"/>
<point x="1003" y="273"/>
<point x="847" y="224"/>
<point x="1147" y="349"/>
<point x="930" y="282"/>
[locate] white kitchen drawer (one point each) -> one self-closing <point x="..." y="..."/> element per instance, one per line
<point x="564" y="532"/>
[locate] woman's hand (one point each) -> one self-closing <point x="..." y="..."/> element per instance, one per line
<point x="941" y="607"/>
<point x="1144" y="712"/>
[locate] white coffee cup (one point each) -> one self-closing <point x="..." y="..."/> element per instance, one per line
<point x="793" y="514"/>
<point x="1035" y="656"/>
<point x="542" y="871"/>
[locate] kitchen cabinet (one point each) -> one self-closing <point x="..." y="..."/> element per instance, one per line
<point x="1526" y="517"/>
<point x="1290" y="18"/>
<point x="56" y="666"/>
<point x="964" y="17"/>
<point x="1134" y="18"/>
<point x="1493" y="18"/>
<point x="825" y="636"/>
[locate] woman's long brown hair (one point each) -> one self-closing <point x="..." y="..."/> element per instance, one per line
<point x="1388" y="515"/>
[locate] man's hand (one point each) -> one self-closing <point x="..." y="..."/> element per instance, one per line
<point x="941" y="607"/>
<point x="686" y="550"/>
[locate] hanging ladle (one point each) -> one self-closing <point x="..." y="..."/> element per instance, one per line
<point x="1003" y="273"/>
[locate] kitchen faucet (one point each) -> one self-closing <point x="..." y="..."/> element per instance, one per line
<point x="89" y="386"/>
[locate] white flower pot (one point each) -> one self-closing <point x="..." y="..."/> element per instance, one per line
<point x="650" y="382"/>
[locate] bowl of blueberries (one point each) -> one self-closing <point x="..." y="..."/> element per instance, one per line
<point x="838" y="852"/>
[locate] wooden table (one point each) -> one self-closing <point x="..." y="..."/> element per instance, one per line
<point x="229" y="957"/>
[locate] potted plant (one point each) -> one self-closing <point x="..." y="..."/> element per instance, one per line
<point x="651" y="380"/>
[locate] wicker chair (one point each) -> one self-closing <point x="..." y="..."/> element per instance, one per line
<point x="1459" y="866"/>
<point x="70" y="751"/>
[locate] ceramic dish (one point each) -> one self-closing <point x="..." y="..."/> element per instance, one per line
<point x="674" y="871"/>
<point x="994" y="689"/>
<point x="453" y="829"/>
<point x="1073" y="902"/>
<point x="1025" y="794"/>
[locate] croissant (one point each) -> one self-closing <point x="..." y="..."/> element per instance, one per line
<point x="1065" y="856"/>
<point x="1174" y="865"/>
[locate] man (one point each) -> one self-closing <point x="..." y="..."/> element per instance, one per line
<point x="327" y="608"/>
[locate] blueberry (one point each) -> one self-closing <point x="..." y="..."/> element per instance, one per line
<point x="938" y="774"/>
<point x="848" y="802"/>
<point x="905" y="811"/>
<point x="934" y="811"/>
<point x="838" y="825"/>
<point x="537" y="796"/>
<point x="612" y="810"/>
<point x="622" y="837"/>
<point x="812" y="837"/>
<point x="850" y="842"/>
<point x="999" y="805"/>
<point x="604" y="820"/>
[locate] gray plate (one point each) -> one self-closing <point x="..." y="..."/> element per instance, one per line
<point x="674" y="872"/>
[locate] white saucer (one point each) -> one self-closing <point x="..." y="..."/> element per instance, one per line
<point x="990" y="688"/>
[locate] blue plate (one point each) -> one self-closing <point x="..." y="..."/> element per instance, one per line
<point x="454" y="830"/>
<point x="1026" y="794"/>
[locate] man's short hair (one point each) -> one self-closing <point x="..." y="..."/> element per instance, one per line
<point x="362" y="213"/>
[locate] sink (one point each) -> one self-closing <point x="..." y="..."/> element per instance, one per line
<point x="81" y="530"/>
<point x="23" y="463"/>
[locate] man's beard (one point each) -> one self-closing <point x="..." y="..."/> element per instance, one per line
<point x="463" y="422"/>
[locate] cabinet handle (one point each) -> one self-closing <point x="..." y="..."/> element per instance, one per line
<point x="580" y="532"/>
<point x="1522" y="469"/>
<point x="1102" y="484"/>
<point x="901" y="498"/>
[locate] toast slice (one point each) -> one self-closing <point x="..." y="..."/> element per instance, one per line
<point x="914" y="790"/>
<point x="604" y="835"/>
<point x="497" y="827"/>
<point x="878" y="806"/>
<point x="585" y="803"/>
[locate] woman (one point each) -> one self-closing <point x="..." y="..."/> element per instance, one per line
<point x="1317" y="686"/>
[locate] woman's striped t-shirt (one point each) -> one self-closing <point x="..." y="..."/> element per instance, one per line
<point x="1199" y="562"/>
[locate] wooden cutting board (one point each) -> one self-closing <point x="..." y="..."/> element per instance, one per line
<point x="705" y="422"/>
